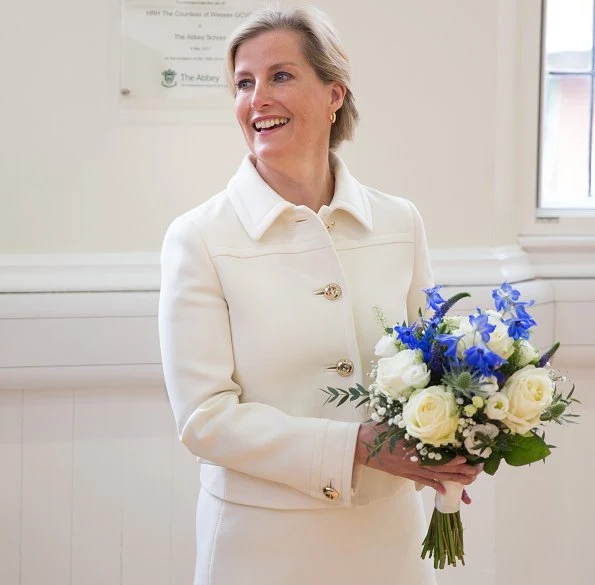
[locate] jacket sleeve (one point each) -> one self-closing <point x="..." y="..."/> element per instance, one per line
<point x="422" y="271"/>
<point x="304" y="453"/>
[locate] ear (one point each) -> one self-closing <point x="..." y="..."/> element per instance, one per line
<point x="337" y="94"/>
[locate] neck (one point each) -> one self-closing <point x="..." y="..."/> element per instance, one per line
<point x="305" y="182"/>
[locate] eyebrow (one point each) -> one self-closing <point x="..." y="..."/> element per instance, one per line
<point x="273" y="66"/>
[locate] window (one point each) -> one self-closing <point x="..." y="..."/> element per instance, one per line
<point x="567" y="159"/>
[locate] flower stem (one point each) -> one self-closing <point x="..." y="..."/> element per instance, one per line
<point x="444" y="540"/>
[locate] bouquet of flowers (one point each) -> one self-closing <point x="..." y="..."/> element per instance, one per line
<point x="462" y="385"/>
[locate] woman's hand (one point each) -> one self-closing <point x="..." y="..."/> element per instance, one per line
<point x="399" y="463"/>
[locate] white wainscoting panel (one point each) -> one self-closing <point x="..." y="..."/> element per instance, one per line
<point x="47" y="474"/>
<point x="11" y="484"/>
<point x="96" y="489"/>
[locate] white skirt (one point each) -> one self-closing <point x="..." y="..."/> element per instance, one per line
<point x="378" y="543"/>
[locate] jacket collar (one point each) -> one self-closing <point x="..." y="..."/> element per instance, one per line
<point x="258" y="206"/>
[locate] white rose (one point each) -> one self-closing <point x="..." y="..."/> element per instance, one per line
<point x="525" y="353"/>
<point x="473" y="443"/>
<point x="452" y="322"/>
<point x="400" y="374"/>
<point x="467" y="336"/>
<point x="497" y="406"/>
<point x="386" y="347"/>
<point x="500" y="342"/>
<point x="487" y="386"/>
<point x="529" y="392"/>
<point x="431" y="415"/>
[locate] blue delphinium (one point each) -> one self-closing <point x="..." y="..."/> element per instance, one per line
<point x="450" y="342"/>
<point x="427" y="339"/>
<point x="483" y="360"/>
<point x="519" y="324"/>
<point x="434" y="300"/>
<point x="481" y="325"/>
<point x="505" y="296"/>
<point x="406" y="335"/>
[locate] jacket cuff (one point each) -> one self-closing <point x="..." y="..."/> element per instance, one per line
<point x="334" y="474"/>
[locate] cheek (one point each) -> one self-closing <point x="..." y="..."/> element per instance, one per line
<point x="241" y="109"/>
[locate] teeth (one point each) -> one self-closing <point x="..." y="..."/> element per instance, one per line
<point x="262" y="124"/>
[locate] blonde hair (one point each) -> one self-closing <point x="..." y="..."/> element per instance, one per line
<point x="322" y="49"/>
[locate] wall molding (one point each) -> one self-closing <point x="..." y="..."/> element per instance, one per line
<point x="50" y="273"/>
<point x="20" y="273"/>
<point x="560" y="256"/>
<point x="82" y="377"/>
<point x="481" y="266"/>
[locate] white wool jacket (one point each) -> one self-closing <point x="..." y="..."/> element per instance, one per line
<point x="263" y="303"/>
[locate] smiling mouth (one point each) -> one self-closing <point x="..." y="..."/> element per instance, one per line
<point x="262" y="125"/>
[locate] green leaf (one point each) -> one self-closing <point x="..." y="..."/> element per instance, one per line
<point x="491" y="465"/>
<point x="525" y="450"/>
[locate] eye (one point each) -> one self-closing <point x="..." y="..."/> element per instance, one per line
<point x="281" y="76"/>
<point x="243" y="84"/>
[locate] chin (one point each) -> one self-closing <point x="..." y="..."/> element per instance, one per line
<point x="269" y="154"/>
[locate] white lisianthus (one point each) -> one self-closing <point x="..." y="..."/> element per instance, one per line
<point x="431" y="415"/>
<point x="525" y="353"/>
<point x="529" y="392"/>
<point x="500" y="342"/>
<point x="386" y="347"/>
<point x="473" y="443"/>
<point x="399" y="375"/>
<point x="497" y="406"/>
<point x="487" y="386"/>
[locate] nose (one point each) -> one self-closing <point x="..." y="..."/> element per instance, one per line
<point x="261" y="96"/>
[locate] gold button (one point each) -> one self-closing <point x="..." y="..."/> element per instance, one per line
<point x="332" y="291"/>
<point x="344" y="367"/>
<point x="330" y="492"/>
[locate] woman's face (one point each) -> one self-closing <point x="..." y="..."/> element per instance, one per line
<point x="281" y="105"/>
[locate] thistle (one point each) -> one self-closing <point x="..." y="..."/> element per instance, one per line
<point x="463" y="382"/>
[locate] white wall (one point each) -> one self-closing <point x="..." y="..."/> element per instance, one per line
<point x="95" y="487"/>
<point x="77" y="176"/>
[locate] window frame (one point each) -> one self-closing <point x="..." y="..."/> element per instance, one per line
<point x="529" y="74"/>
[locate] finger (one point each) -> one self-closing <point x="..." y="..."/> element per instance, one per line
<point x="465" y="469"/>
<point x="458" y="460"/>
<point x="463" y="479"/>
<point x="430" y="482"/>
<point x="465" y="497"/>
<point x="449" y="476"/>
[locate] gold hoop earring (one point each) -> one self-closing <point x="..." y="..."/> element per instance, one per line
<point x="333" y="117"/>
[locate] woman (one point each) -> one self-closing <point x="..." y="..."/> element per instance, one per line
<point x="267" y="295"/>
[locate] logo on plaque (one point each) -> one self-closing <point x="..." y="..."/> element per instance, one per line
<point x="169" y="78"/>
